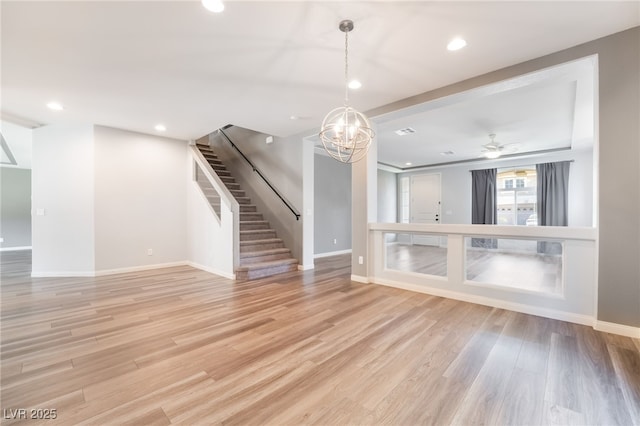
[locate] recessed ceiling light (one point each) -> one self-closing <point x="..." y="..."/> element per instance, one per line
<point x="215" y="6"/>
<point x="408" y="164"/>
<point x="355" y="84"/>
<point x="456" y="44"/>
<point x="56" y="106"/>
<point x="160" y="127"/>
<point x="405" y="131"/>
<point x="293" y="117"/>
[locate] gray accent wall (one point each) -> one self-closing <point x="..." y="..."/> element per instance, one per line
<point x="332" y="205"/>
<point x="618" y="199"/>
<point x="15" y="214"/>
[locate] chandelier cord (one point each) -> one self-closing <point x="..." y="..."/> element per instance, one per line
<point x="346" y="68"/>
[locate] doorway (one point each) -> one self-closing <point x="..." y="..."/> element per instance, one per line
<point x="425" y="205"/>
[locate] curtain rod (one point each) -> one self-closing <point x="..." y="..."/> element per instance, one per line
<point x="517" y="167"/>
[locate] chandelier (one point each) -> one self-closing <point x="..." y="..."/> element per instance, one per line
<point x="346" y="133"/>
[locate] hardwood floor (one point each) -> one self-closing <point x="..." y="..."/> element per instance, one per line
<point x="182" y="346"/>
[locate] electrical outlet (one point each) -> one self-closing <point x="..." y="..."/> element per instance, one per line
<point x="335" y="241"/>
<point x="360" y="260"/>
<point x="1" y="240"/>
<point x="150" y="252"/>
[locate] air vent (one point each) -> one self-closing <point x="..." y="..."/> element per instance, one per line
<point x="405" y="131"/>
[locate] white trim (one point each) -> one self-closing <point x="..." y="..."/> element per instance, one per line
<point x="306" y="267"/>
<point x="16" y="248"/>
<point x="496" y="303"/>
<point x="360" y="279"/>
<point x="613" y="328"/>
<point x="212" y="270"/>
<point x="60" y="274"/>
<point x="103" y="272"/>
<point x="331" y="253"/>
<point x="493" y="231"/>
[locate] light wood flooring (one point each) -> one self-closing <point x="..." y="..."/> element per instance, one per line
<point x="182" y="346"/>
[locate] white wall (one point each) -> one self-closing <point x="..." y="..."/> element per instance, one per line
<point x="62" y="189"/>
<point x="140" y="199"/>
<point x="108" y="196"/>
<point x="456" y="185"/>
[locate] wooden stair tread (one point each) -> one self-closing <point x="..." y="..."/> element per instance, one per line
<point x="265" y="241"/>
<point x="265" y="252"/>
<point x="268" y="264"/>
<point x="256" y="231"/>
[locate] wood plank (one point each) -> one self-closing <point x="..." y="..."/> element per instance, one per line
<point x="179" y="345"/>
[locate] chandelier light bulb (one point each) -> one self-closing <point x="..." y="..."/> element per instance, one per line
<point x="215" y="6"/>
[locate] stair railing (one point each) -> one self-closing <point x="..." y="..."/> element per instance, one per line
<point x="225" y="197"/>
<point x="262" y="176"/>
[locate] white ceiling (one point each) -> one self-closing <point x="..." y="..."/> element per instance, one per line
<point x="551" y="109"/>
<point x="135" y="64"/>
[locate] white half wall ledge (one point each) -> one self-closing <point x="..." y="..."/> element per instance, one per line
<point x="21" y="248"/>
<point x="360" y="279"/>
<point x="613" y="328"/>
<point x="331" y="253"/>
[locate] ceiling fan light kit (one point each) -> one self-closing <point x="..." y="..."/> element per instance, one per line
<point x="346" y="134"/>
<point x="493" y="148"/>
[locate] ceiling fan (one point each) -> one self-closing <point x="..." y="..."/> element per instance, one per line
<point x="494" y="149"/>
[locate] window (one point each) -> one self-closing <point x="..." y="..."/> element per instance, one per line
<point x="517" y="203"/>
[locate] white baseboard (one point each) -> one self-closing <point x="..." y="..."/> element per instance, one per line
<point x="486" y="301"/>
<point x="613" y="328"/>
<point x="212" y="270"/>
<point x="360" y="279"/>
<point x="62" y="274"/>
<point x="331" y="253"/>
<point x="15" y="248"/>
<point x="306" y="267"/>
<point x="103" y="272"/>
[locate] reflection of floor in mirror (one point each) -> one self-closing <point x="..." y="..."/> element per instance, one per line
<point x="533" y="272"/>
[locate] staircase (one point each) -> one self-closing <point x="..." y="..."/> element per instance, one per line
<point x="262" y="253"/>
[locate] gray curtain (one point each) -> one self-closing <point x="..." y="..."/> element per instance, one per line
<point x="553" y="200"/>
<point x="484" y="208"/>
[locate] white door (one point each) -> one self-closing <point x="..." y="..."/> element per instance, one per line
<point x="425" y="204"/>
